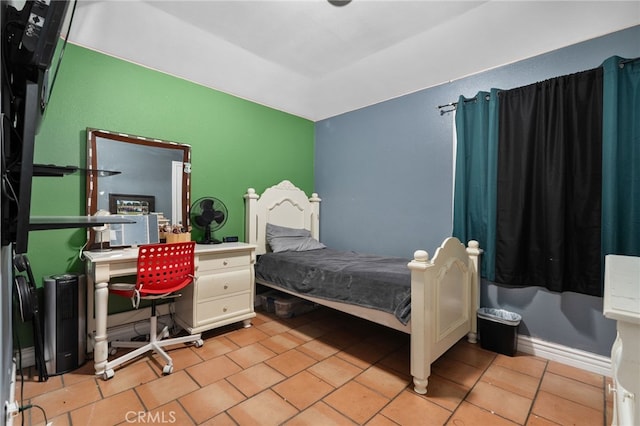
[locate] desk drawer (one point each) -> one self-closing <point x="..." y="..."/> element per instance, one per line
<point x="223" y="283"/>
<point x="220" y="309"/>
<point x="210" y="262"/>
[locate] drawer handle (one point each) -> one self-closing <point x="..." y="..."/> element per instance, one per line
<point x="225" y="263"/>
<point x="225" y="309"/>
<point x="226" y="286"/>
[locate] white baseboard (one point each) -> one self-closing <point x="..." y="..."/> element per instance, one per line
<point x="120" y="332"/>
<point x="565" y="355"/>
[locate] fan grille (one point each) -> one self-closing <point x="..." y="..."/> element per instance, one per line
<point x="208" y="214"/>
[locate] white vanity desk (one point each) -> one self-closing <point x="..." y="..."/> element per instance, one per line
<point x="622" y="303"/>
<point x="223" y="292"/>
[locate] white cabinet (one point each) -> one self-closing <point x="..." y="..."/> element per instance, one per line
<point x="223" y="291"/>
<point x="622" y="303"/>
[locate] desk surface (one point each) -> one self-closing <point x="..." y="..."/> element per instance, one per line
<point x="37" y="223"/>
<point x="127" y="254"/>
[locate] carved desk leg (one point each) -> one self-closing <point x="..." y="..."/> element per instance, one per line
<point x="101" y="345"/>
<point x="101" y="299"/>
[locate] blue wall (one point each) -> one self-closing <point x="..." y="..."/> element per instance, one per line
<point x="384" y="174"/>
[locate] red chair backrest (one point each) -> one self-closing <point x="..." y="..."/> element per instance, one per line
<point x="165" y="268"/>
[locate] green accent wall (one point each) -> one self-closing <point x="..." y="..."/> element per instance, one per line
<point x="235" y="144"/>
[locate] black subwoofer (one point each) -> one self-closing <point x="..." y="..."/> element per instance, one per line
<point x="65" y="312"/>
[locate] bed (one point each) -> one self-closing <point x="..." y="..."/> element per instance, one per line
<point x="441" y="295"/>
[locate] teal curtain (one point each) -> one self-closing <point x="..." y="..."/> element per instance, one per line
<point x="474" y="199"/>
<point x="621" y="157"/>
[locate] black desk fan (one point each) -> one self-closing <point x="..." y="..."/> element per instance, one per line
<point x="27" y="299"/>
<point x="208" y="214"/>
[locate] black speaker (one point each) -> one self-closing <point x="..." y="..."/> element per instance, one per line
<point x="65" y="314"/>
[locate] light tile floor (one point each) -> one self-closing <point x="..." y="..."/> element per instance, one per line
<point x="321" y="368"/>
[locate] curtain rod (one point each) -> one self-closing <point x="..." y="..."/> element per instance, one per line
<point x="454" y="105"/>
<point x="623" y="62"/>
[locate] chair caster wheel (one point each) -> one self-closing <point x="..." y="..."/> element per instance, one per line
<point x="199" y="343"/>
<point x="108" y="374"/>
<point x="113" y="351"/>
<point x="167" y="369"/>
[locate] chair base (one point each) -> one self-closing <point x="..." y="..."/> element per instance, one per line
<point x="155" y="344"/>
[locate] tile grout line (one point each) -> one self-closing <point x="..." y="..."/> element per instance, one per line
<point x="471" y="387"/>
<point x="604" y="401"/>
<point x="535" y="395"/>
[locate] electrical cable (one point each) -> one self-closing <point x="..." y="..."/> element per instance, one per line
<point x="62" y="49"/>
<point x="5" y="59"/>
<point x="30" y="406"/>
<point x="16" y="337"/>
<point x="7" y="186"/>
<point x="22" y="406"/>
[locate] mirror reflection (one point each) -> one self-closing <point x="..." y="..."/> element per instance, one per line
<point x="154" y="176"/>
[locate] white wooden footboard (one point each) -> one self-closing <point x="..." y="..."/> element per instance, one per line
<point x="444" y="300"/>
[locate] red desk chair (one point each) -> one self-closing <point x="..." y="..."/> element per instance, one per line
<point x="162" y="270"/>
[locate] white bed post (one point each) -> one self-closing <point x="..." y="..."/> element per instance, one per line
<point x="251" y="223"/>
<point x="421" y="327"/>
<point x="315" y="216"/>
<point x="474" y="251"/>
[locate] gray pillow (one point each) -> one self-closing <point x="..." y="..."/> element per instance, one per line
<point x="281" y="238"/>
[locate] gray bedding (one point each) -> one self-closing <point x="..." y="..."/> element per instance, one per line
<point x="372" y="281"/>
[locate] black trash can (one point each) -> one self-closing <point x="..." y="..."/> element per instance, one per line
<point x="498" y="330"/>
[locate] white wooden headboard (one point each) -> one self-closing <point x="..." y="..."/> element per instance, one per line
<point x="283" y="204"/>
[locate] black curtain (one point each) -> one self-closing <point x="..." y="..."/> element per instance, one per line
<point x="550" y="184"/>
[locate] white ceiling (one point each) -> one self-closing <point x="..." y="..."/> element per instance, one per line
<point x="315" y="60"/>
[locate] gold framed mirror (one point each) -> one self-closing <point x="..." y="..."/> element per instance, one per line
<point x="154" y="172"/>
